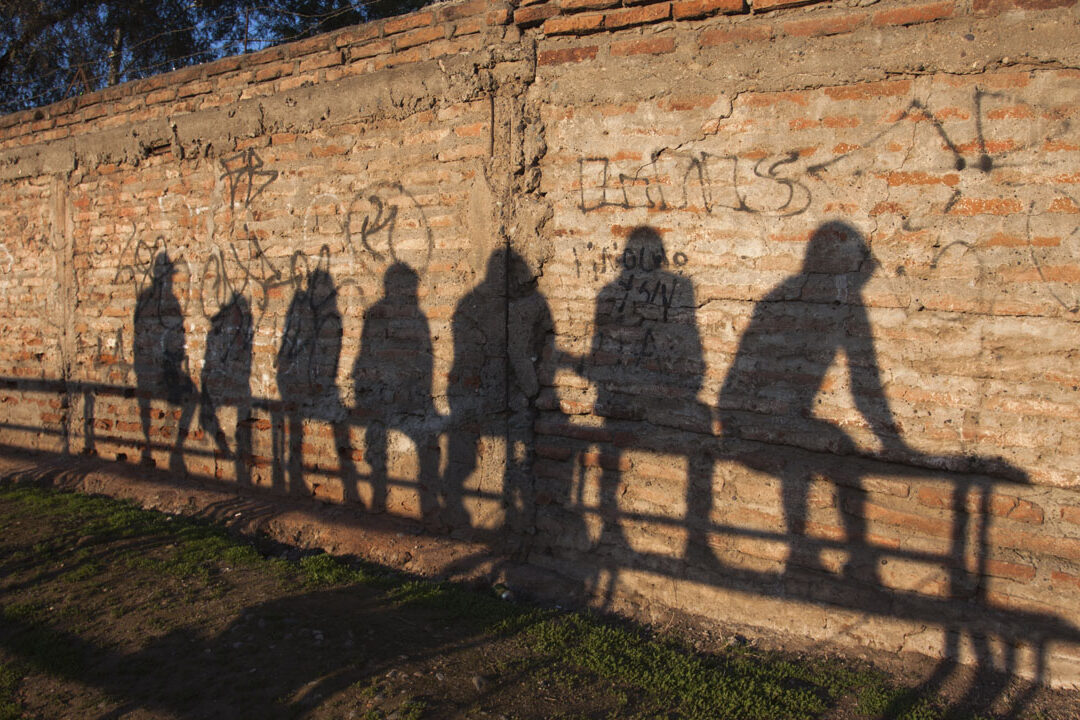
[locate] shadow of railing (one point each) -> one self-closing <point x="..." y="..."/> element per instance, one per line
<point x="1001" y="641"/>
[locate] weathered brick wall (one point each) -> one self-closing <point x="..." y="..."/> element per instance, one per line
<point x="762" y="313"/>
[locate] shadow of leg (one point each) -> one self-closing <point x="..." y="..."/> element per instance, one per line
<point x="375" y="455"/>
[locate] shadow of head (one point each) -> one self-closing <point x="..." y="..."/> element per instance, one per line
<point x="644" y="250"/>
<point x="837" y="248"/>
<point x="401" y="281"/>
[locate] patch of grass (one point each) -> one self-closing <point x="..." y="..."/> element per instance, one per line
<point x="83" y="571"/>
<point x="412" y="709"/>
<point x="624" y="669"/>
<point x="456" y="603"/>
<point x="325" y="570"/>
<point x="739" y="684"/>
<point x="9" y="684"/>
<point x="28" y="635"/>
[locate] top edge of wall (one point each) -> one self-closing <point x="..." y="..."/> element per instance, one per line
<point x="454" y="27"/>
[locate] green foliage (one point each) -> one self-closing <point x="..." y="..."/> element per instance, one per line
<point x="322" y="570"/>
<point x="9" y="684"/>
<point x="740" y="684"/>
<point x="49" y="51"/>
<point x="641" y="675"/>
<point x="412" y="709"/>
<point x="456" y="602"/>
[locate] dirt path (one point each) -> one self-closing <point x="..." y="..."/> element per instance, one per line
<point x="110" y="611"/>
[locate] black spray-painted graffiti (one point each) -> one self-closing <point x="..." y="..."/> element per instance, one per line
<point x="246" y="177"/>
<point x="784" y="183"/>
<point x="699" y="180"/>
<point x="604" y="259"/>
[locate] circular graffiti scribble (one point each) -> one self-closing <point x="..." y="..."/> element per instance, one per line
<point x="386" y="224"/>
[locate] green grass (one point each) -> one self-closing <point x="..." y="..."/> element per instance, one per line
<point x="9" y="684"/>
<point x="641" y="675"/>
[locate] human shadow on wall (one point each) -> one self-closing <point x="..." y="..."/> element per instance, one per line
<point x="160" y="359"/>
<point x="476" y="387"/>
<point x="307" y="366"/>
<point x="537" y="515"/>
<point x="796" y="333"/>
<point x="392" y="378"/>
<point x="226" y="382"/>
<point x="647" y="364"/>
<point x="532" y="358"/>
<point x="769" y="399"/>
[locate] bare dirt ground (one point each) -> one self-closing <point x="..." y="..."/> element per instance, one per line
<point x="108" y="611"/>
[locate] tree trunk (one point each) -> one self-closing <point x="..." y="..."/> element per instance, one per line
<point x="115" y="55"/>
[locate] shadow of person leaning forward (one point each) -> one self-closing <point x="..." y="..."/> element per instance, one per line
<point x="796" y="332"/>
<point x="766" y="409"/>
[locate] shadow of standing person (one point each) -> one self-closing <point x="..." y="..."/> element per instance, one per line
<point x="795" y="334"/>
<point x="392" y="379"/>
<point x="160" y="358"/>
<point x="647" y="363"/>
<point x="532" y="357"/>
<point x="226" y="381"/>
<point x="476" y="387"/>
<point x="307" y="365"/>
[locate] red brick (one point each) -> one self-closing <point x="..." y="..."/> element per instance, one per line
<point x="370" y="49"/>
<point x="742" y="33"/>
<point x="161" y="95"/>
<point x="1071" y="514"/>
<point x="468" y="26"/>
<point x="535" y="14"/>
<point x="322" y="60"/>
<point x="914" y="14"/>
<point x="572" y="24"/>
<point x="502" y="16"/>
<point x="609" y="461"/>
<point x="934" y="527"/>
<point x="225" y="65"/>
<point x="871" y="90"/>
<point x="294" y="81"/>
<point x="1012" y="571"/>
<point x="986" y="206"/>
<point x="689" y="9"/>
<point x="1061" y="579"/>
<point x="458" y="11"/>
<point x="402" y="57"/>
<point x="817" y="27"/>
<point x="565" y="55"/>
<point x="419" y="37"/>
<point x="272" y="72"/>
<point x="195" y="88"/>
<point x="637" y="16"/>
<point x="998" y="6"/>
<point x="577" y="5"/>
<point x="760" y="5"/>
<point x="319" y="43"/>
<point x="646" y="46"/>
<point x="360" y="33"/>
<point x="407" y="22"/>
<point x="1034" y="542"/>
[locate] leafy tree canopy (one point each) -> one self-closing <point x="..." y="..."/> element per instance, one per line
<point x="52" y="49"/>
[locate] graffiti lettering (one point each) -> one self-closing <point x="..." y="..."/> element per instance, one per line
<point x="704" y="182"/>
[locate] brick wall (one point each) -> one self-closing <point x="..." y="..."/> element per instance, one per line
<point x="765" y="313"/>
